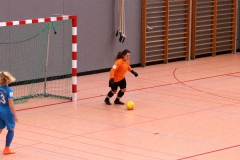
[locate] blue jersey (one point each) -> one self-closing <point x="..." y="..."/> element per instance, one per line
<point x="5" y="93"/>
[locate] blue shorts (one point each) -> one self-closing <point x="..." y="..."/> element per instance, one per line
<point x="7" y="119"/>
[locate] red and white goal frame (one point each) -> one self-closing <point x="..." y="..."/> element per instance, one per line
<point x="73" y="18"/>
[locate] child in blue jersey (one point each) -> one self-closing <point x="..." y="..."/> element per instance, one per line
<point x="8" y="115"/>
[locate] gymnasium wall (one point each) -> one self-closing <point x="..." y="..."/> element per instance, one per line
<point x="97" y="26"/>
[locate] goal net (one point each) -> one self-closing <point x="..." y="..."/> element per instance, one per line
<point x="42" y="55"/>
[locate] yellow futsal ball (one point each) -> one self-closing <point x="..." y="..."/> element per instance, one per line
<point x="130" y="105"/>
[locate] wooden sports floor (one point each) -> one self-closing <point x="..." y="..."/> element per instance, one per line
<point x="185" y="110"/>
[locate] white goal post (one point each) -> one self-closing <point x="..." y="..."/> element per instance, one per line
<point x="56" y="18"/>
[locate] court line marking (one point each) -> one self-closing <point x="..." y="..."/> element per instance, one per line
<point x="197" y="155"/>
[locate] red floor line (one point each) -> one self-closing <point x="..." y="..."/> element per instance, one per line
<point x="199" y="65"/>
<point x="83" y="135"/>
<point x="236" y="93"/>
<point x="197" y="99"/>
<point x="198" y="70"/>
<point x="233" y="76"/>
<point x="209" y="152"/>
<point x="112" y="128"/>
<point x="153" y="119"/>
<point x="182" y="82"/>
<point x="42" y="106"/>
<point x="179" y="82"/>
<point x="56" y="103"/>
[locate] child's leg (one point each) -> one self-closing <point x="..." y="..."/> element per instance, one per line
<point x="2" y="123"/>
<point x="122" y="85"/>
<point x="10" y="123"/>
<point x="111" y="93"/>
<point x="119" y="96"/>
<point x="9" y="137"/>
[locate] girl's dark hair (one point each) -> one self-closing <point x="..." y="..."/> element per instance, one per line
<point x="122" y="54"/>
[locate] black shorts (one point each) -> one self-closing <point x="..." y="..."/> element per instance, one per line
<point x="122" y="84"/>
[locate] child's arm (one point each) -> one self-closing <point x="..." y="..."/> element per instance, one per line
<point x="11" y="106"/>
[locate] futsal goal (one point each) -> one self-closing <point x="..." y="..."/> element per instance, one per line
<point x="42" y="55"/>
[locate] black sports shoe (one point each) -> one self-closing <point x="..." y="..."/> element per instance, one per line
<point x="117" y="101"/>
<point x="107" y="101"/>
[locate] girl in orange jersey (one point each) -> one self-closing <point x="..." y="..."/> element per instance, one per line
<point x="117" y="76"/>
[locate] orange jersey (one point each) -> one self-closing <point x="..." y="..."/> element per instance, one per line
<point x="119" y="69"/>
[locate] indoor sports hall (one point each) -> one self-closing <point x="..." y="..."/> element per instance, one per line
<point x="62" y="53"/>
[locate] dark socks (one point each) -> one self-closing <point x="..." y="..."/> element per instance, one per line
<point x="119" y="95"/>
<point x="110" y="94"/>
<point x="9" y="138"/>
<point x="117" y="101"/>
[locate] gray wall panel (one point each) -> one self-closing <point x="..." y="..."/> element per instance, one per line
<point x="4" y="10"/>
<point x="28" y="9"/>
<point x="97" y="26"/>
